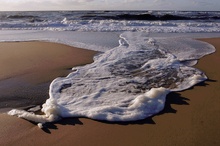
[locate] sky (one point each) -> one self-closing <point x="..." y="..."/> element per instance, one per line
<point x="35" y="5"/>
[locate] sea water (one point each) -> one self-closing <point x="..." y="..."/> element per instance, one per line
<point x="137" y="68"/>
<point x="106" y="21"/>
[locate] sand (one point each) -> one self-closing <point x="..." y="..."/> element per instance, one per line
<point x="190" y="118"/>
<point x="27" y="68"/>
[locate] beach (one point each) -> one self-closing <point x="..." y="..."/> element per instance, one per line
<point x="190" y="117"/>
<point x="27" y="69"/>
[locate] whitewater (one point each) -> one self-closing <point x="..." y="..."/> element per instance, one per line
<point x="140" y="61"/>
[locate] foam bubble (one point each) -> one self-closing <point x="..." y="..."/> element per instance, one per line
<point x="40" y="125"/>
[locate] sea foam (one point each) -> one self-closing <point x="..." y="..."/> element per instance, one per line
<point x="127" y="83"/>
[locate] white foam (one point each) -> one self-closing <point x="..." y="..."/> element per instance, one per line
<point x="116" y="25"/>
<point x="127" y="83"/>
<point x="40" y="125"/>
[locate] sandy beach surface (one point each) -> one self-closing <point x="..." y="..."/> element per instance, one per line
<point x="190" y="117"/>
<point x="27" y="68"/>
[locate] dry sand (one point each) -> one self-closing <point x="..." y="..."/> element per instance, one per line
<point x="190" y="118"/>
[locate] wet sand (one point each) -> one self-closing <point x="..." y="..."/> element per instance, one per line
<point x="27" y="68"/>
<point x="190" y="117"/>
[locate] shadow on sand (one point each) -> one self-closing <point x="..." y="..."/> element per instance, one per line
<point x="66" y="121"/>
<point x="172" y="98"/>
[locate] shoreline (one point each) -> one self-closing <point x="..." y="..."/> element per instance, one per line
<point x="190" y="117"/>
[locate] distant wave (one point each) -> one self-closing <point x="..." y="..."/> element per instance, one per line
<point x="149" y="17"/>
<point x="30" y="18"/>
<point x="20" y="16"/>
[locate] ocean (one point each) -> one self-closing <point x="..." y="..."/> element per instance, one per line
<point x="105" y="21"/>
<point x="145" y="55"/>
